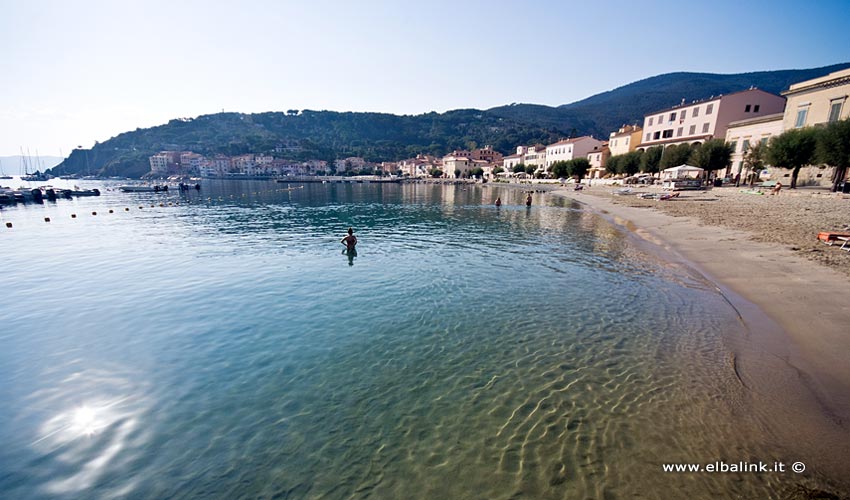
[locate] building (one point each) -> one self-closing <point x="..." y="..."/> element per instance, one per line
<point x="598" y="158"/>
<point x="456" y="166"/>
<point x="568" y="149"/>
<point x="165" y="162"/>
<point x="700" y="121"/>
<point x="624" y="140"/>
<point x="817" y="101"/>
<point x="535" y="156"/>
<point x="742" y="133"/>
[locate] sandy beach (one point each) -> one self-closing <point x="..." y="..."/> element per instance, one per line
<point x="791" y="290"/>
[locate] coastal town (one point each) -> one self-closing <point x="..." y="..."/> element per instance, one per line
<point x="744" y="122"/>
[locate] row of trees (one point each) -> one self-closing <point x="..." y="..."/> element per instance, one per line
<point x="793" y="149"/>
<point x="796" y="148"/>
<point x="712" y="155"/>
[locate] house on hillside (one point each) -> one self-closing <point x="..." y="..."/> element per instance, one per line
<point x="700" y="121"/>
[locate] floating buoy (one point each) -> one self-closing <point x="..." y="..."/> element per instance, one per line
<point x="9" y="224"/>
<point x="94" y="213"/>
<point x="47" y="219"/>
<point x="162" y="205"/>
<point x="127" y="209"/>
<point x="73" y="216"/>
<point x="141" y="207"/>
<point x="152" y="206"/>
<point x="110" y="211"/>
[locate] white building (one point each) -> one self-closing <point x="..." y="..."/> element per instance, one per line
<point x="740" y="134"/>
<point x="568" y="149"/>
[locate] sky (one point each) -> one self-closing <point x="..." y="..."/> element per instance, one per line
<point x="76" y="72"/>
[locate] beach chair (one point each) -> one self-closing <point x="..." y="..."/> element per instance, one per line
<point x="831" y="238"/>
<point x="845" y="245"/>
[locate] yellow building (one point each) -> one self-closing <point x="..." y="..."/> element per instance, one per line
<point x="817" y="101"/>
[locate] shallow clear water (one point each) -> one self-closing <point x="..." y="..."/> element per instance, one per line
<point x="225" y="347"/>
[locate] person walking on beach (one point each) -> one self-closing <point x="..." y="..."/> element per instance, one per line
<point x="350" y="241"/>
<point x="528" y="200"/>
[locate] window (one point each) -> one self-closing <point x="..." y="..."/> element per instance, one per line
<point x="696" y="112"/>
<point x="801" y="117"/>
<point x="660" y="119"/>
<point x="747" y="108"/>
<point x="648" y="136"/>
<point x="709" y="109"/>
<point x="679" y="132"/>
<point x="756" y="108"/>
<point x="650" y="122"/>
<point x="692" y="130"/>
<point x="834" y="111"/>
<point x="627" y="140"/>
<point x="682" y="114"/>
<point x="667" y="133"/>
<point x="656" y="135"/>
<point x="672" y="117"/>
<point x="745" y="146"/>
<point x="705" y="128"/>
<point x="734" y="146"/>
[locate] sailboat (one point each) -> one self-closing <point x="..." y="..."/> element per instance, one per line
<point x="36" y="176"/>
<point x="2" y="173"/>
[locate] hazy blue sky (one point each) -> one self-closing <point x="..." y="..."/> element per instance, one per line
<point x="74" y="72"/>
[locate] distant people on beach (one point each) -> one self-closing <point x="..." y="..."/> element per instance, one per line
<point x="776" y="188"/>
<point x="528" y="200"/>
<point x="350" y="241"/>
<point x="498" y="202"/>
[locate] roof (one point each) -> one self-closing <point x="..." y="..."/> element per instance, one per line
<point x="758" y="119"/>
<point x="512" y="156"/>
<point x="703" y="101"/>
<point x="570" y="141"/>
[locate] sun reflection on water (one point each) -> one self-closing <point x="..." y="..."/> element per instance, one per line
<point x="96" y="433"/>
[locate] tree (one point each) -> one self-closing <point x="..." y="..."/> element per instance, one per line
<point x="711" y="156"/>
<point x="612" y="166"/>
<point x="560" y="169"/>
<point x="833" y="148"/>
<point x="673" y="156"/>
<point x="650" y="162"/>
<point x="530" y="169"/>
<point x="435" y="172"/>
<point x="578" y="167"/>
<point x="792" y="149"/>
<point x="519" y="168"/>
<point x="754" y="160"/>
<point x="630" y="164"/>
<point x="498" y="170"/>
<point x="457" y="173"/>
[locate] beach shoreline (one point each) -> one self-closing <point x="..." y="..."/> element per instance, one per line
<point x="797" y="312"/>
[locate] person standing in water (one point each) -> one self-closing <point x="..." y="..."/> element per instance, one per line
<point x="528" y="200"/>
<point x="499" y="202"/>
<point x="350" y="241"/>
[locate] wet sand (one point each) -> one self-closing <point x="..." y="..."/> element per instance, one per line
<point x="792" y="292"/>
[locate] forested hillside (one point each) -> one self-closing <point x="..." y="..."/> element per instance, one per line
<point x="327" y="135"/>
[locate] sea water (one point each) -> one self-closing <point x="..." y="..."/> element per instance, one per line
<point x="221" y="344"/>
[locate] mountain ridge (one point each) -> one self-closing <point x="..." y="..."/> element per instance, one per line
<point x="327" y="135"/>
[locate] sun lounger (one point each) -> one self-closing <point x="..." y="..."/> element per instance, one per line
<point x="845" y="245"/>
<point x="831" y="238"/>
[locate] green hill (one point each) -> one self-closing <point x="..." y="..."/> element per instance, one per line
<point x="328" y="135"/>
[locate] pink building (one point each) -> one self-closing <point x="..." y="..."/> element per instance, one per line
<point x="700" y="121"/>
